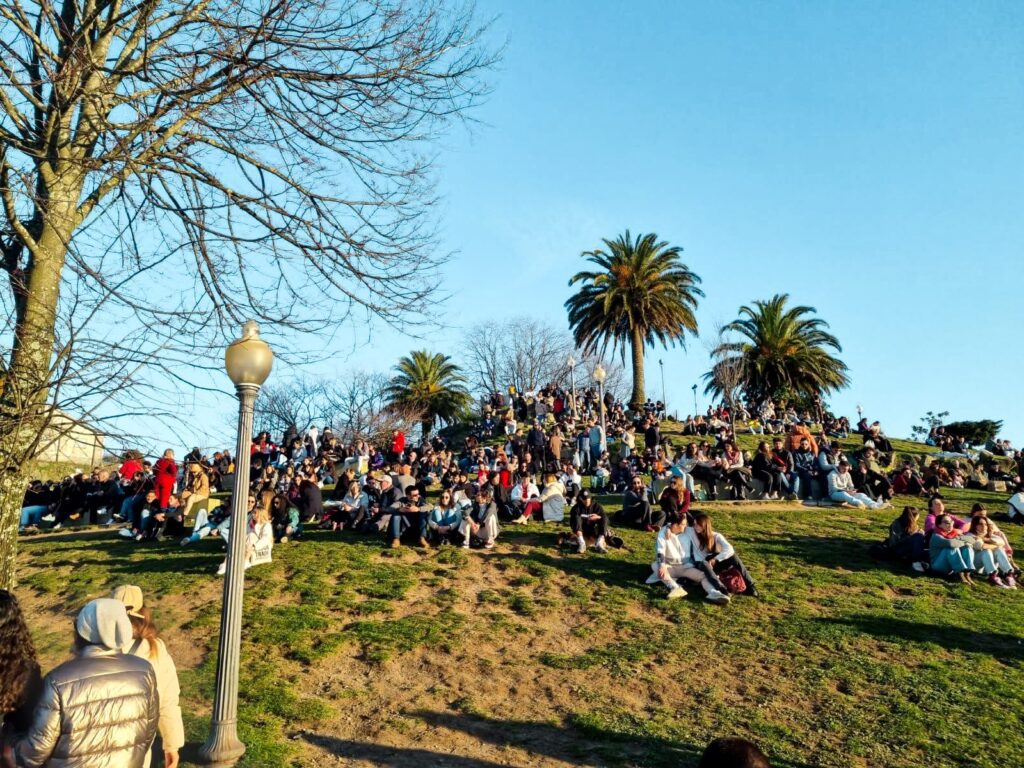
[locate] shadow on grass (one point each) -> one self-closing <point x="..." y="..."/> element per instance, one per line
<point x="1002" y="646"/>
<point x="568" y="743"/>
<point x="823" y="551"/>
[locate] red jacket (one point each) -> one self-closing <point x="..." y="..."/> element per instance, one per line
<point x="165" y="473"/>
<point x="398" y="444"/>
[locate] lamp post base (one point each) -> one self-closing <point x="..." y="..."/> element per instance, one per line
<point x="222" y="749"/>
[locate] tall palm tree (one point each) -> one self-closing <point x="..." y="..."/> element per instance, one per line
<point x="640" y="293"/>
<point x="781" y="349"/>
<point x="431" y="386"/>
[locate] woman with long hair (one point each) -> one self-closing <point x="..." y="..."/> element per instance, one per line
<point x="146" y="644"/>
<point x="719" y="555"/>
<point x="906" y="539"/>
<point x="20" y="678"/>
<point x="736" y="475"/>
<point x="763" y="468"/>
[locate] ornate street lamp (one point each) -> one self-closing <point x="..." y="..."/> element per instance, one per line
<point x="248" y="361"/>
<point x="599" y="377"/>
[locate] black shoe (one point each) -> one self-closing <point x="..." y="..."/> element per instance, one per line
<point x="751" y="591"/>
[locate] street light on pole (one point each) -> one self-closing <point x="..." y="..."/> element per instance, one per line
<point x="599" y="377"/>
<point x="664" y="399"/>
<point x="694" y="401"/>
<point x="248" y="361"/>
<point x="572" y="383"/>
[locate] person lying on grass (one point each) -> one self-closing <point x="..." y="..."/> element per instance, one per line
<point x="676" y="557"/>
<point x="950" y="551"/>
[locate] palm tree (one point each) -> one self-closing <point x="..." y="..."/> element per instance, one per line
<point x="783" y="350"/>
<point x="429" y="385"/>
<point x="641" y="293"/>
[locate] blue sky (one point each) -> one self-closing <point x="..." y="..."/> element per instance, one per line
<point x="864" y="157"/>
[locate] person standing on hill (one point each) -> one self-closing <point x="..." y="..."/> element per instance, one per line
<point x="165" y="475"/>
<point x="98" y="710"/>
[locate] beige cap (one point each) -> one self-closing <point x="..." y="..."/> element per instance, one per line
<point x="131" y="596"/>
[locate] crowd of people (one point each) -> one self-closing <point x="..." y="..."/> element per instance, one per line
<point x="523" y="462"/>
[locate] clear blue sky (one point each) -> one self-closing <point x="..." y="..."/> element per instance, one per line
<point x="867" y="158"/>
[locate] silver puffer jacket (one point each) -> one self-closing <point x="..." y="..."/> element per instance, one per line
<point x="98" y="710"/>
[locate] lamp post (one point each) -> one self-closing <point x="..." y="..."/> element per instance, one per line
<point x="572" y="383"/>
<point x="694" y="401"/>
<point x="599" y="377"/>
<point x="248" y="361"/>
<point x="664" y="399"/>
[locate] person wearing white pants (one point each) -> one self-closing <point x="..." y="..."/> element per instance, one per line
<point x="675" y="558"/>
<point x="841" y="489"/>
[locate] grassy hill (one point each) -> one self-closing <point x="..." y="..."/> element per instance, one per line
<point x="359" y="655"/>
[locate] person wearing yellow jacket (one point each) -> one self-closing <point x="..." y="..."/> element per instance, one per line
<point x="147" y="645"/>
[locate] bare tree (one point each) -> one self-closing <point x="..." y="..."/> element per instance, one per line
<point x="728" y="372"/>
<point x="263" y="158"/>
<point x="522" y="352"/>
<point x="360" y="409"/>
<point x="297" y="403"/>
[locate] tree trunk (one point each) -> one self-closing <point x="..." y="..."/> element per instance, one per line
<point x="636" y="400"/>
<point x="426" y="425"/>
<point x="24" y="400"/>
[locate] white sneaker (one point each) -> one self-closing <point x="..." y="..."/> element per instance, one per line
<point x="719" y="598"/>
<point x="600" y="546"/>
<point x="918" y="566"/>
<point x="48" y="518"/>
<point x="676" y="592"/>
<point x="581" y="546"/>
<point x="222" y="568"/>
<point x="126" y="533"/>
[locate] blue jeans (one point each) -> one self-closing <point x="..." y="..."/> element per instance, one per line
<point x="953" y="560"/>
<point x="803" y="483"/>
<point x="32" y="515"/>
<point x="402" y="522"/>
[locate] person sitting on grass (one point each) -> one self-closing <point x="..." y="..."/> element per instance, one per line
<point x="989" y="554"/>
<point x="552" y="501"/>
<point x="409" y="513"/>
<point x="675" y="498"/>
<point x="675" y="558"/>
<point x="524" y="497"/>
<point x="950" y="552"/>
<point x="717" y="554"/>
<point x="906" y="540"/>
<point x="805" y="469"/>
<point x="764" y="468"/>
<point x="216" y="522"/>
<point x="907" y="482"/>
<point x="444" y="521"/>
<point x="733" y="753"/>
<point x="1015" y="506"/>
<point x="736" y="474"/>
<point x="349" y="510"/>
<point x="259" y="539"/>
<point x="937" y="507"/>
<point x="636" y="509"/>
<point x="588" y="518"/>
<point x="841" y="489"/>
<point x="284" y="517"/>
<point x="480" y="526"/>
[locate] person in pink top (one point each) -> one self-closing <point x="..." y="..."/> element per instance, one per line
<point x="936" y="507"/>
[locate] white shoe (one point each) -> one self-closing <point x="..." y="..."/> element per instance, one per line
<point x="48" y="518"/>
<point x="676" y="592"/>
<point x="918" y="566"/>
<point x="600" y="546"/>
<point x="581" y="546"/>
<point x="126" y="533"/>
<point x="222" y="568"/>
<point x="719" y="598"/>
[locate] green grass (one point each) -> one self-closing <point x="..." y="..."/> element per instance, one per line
<point x="844" y="661"/>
